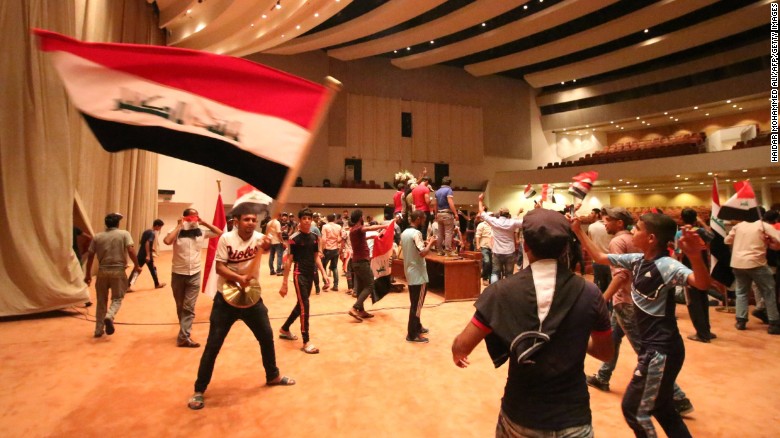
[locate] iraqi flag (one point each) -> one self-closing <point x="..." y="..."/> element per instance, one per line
<point x="250" y="200"/>
<point x="742" y="206"/>
<point x="529" y="192"/>
<point x="716" y="224"/>
<point x="583" y="183"/>
<point x="547" y="193"/>
<point x="209" y="283"/>
<point x="381" y="262"/>
<point x="233" y="115"/>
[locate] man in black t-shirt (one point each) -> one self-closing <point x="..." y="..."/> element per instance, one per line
<point x="146" y="254"/>
<point x="303" y="249"/>
<point x="566" y="318"/>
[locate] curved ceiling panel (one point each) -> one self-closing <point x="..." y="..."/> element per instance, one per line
<point x="170" y="10"/>
<point x="540" y="21"/>
<point x="740" y="20"/>
<point x="632" y="23"/>
<point x="383" y="17"/>
<point x="468" y="16"/>
<point x="221" y="20"/>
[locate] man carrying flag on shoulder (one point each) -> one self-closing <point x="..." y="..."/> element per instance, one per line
<point x="750" y="240"/>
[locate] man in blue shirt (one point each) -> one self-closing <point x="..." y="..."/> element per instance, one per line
<point x="445" y="217"/>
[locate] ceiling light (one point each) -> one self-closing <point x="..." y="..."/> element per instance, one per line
<point x="666" y="112"/>
<point x="189" y="11"/>
<point x="587" y="126"/>
<point x="744" y="170"/>
<point x="647" y="30"/>
<point x="675" y="187"/>
<point x="431" y="41"/>
<point x="278" y="4"/>
<point x="706" y="114"/>
<point x="676" y="120"/>
<point x="637" y="118"/>
<point x="621" y="180"/>
<point x="671" y="117"/>
<point x="252" y="25"/>
<point x="395" y="51"/>
<point x="701" y="183"/>
<point x="740" y="108"/>
<point x="525" y="7"/>
<point x="621" y="127"/>
<point x="763" y="177"/>
<point x="696" y="107"/>
<point x="612" y="121"/>
<point x="734" y="106"/>
<point x="728" y="180"/>
<point x="561" y="83"/>
<point x="728" y="101"/>
<point x="316" y="14"/>
<point x="483" y="24"/>
<point x="648" y="124"/>
<point x="264" y="16"/>
<point x="282" y="36"/>
<point x="628" y="182"/>
<point x="677" y="176"/>
<point x="686" y="178"/>
<point x="643" y="122"/>
<point x="635" y="186"/>
<point x="709" y="173"/>
<point x="614" y="188"/>
<point x="574" y="80"/>
<point x="408" y="48"/>
<point x="297" y="27"/>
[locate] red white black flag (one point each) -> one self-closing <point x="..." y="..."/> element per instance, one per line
<point x="230" y="114"/>
<point x="742" y="206"/>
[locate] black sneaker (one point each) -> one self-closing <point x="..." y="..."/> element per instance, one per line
<point x="418" y="340"/>
<point x="683" y="406"/>
<point x="774" y="328"/>
<point x="109" y="326"/>
<point x="741" y="324"/>
<point x="597" y="383"/>
<point x="761" y="314"/>
<point x="425" y="331"/>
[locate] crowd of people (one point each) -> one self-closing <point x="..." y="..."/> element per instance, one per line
<point x="535" y="312"/>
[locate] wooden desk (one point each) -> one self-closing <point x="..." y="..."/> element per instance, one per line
<point x="456" y="278"/>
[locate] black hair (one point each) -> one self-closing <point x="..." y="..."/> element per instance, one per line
<point x="188" y="211"/>
<point x="305" y="212"/>
<point x="388" y="213"/>
<point x="112" y="221"/>
<point x="688" y="216"/>
<point x="545" y="246"/>
<point x="355" y="216"/>
<point x="771" y="216"/>
<point x="400" y="186"/>
<point x="662" y="226"/>
<point x="597" y="211"/>
<point x="158" y="223"/>
<point x="332" y="217"/>
<point x="446" y="181"/>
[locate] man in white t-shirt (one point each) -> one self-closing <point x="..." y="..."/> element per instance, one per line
<point x="597" y="232"/>
<point x="274" y="231"/>
<point x="187" y="241"/>
<point x="503" y="228"/>
<point x="236" y="253"/>
<point x="331" y="244"/>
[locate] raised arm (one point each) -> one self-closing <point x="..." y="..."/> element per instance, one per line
<point x="595" y="253"/>
<point x="692" y="245"/>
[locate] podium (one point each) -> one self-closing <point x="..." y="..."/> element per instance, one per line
<point x="456" y="278"/>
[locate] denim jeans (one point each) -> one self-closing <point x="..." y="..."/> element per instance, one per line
<point x="331" y="258"/>
<point x="763" y="277"/>
<point x="624" y="324"/>
<point x="277" y="250"/>
<point x="506" y="428"/>
<point x="223" y="315"/>
<point x="487" y="263"/>
<point x="503" y="266"/>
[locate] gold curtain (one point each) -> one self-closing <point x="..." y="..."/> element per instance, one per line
<point x="48" y="154"/>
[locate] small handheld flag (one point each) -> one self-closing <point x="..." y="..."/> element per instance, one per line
<point x="583" y="183"/>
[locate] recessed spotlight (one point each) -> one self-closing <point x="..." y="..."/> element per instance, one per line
<point x="763" y="177"/>
<point x="561" y="83"/>
<point x="252" y="25"/>
<point x="728" y="180"/>
<point x="628" y="182"/>
<point x="621" y="127"/>
<point x="408" y="48"/>
<point x="564" y="129"/>
<point x="282" y="36"/>
<point x="696" y="107"/>
<point x="677" y="176"/>
<point x="316" y="14"/>
<point x="706" y="114"/>
<point x="744" y="170"/>
<point x="614" y="188"/>
<point x="612" y="122"/>
<point x="587" y="126"/>
<point x="666" y="112"/>
<point x="734" y="106"/>
<point x="621" y="180"/>
<point x="701" y="183"/>
<point x="648" y="124"/>
<point x="395" y="51"/>
<point x="483" y="24"/>
<point x="431" y="41"/>
<point x="525" y="7"/>
<point x="675" y="187"/>
<point x="728" y="101"/>
<point x="740" y="108"/>
<point x="635" y="185"/>
<point x="686" y="178"/>
<point x="643" y="122"/>
<point x="297" y="27"/>
<point x="676" y="120"/>
<point x="671" y="117"/>
<point x="574" y="80"/>
<point x="264" y="16"/>
<point x="709" y="173"/>
<point x="637" y="118"/>
<point x="189" y="11"/>
<point x="647" y="30"/>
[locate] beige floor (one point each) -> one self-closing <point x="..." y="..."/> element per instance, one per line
<point x="367" y="380"/>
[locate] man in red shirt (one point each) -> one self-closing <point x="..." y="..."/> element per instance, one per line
<point x="422" y="201"/>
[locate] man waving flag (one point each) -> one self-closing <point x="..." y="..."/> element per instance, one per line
<point x="230" y="114"/>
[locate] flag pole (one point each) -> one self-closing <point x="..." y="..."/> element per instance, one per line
<point x="333" y="87"/>
<point x="219" y="186"/>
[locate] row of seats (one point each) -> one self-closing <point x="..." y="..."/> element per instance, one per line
<point x="674" y="211"/>
<point x="761" y="139"/>
<point x="640" y="150"/>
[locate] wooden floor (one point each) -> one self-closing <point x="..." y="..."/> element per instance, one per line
<point x="366" y="382"/>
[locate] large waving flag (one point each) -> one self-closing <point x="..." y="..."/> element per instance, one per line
<point x="742" y="206"/>
<point x="230" y="114"/>
<point x="209" y="283"/>
<point x="381" y="260"/>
